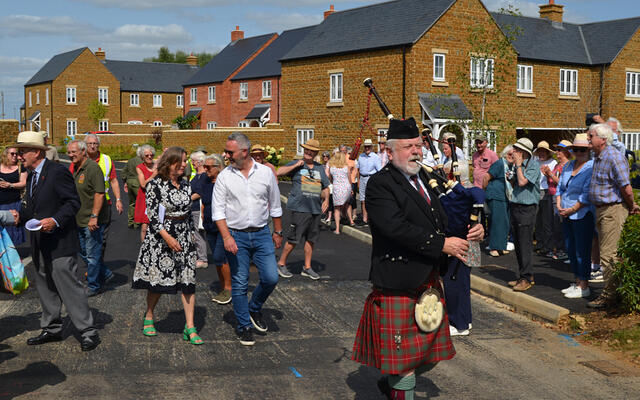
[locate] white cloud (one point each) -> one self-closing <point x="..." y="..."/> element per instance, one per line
<point x="180" y="4"/>
<point x="532" y="9"/>
<point x="150" y="34"/>
<point x="279" y="22"/>
<point x="20" y="63"/>
<point x="30" y="25"/>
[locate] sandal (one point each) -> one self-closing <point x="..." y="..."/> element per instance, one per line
<point x="148" y="329"/>
<point x="186" y="335"/>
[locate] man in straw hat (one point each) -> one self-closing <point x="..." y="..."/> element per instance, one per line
<point x="523" y="204"/>
<point x="409" y="250"/>
<point x="308" y="200"/>
<point x="52" y="200"/>
<point x="368" y="164"/>
<point x="611" y="193"/>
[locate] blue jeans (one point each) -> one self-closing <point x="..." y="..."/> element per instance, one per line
<point x="259" y="247"/>
<point x="217" y="247"/>
<point x="91" y="253"/>
<point x="578" y="234"/>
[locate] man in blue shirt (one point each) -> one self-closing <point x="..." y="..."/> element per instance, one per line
<point x="308" y="199"/>
<point x="368" y="164"/>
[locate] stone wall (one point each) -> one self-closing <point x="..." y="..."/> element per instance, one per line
<point x="9" y="129"/>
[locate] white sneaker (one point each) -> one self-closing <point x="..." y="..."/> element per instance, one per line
<point x="578" y="293"/>
<point x="454" y="332"/>
<point x="596" y="276"/>
<point x="470" y="326"/>
<point x="569" y="289"/>
<point x="567" y="261"/>
<point x="511" y="246"/>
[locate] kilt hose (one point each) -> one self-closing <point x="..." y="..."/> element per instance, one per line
<point x="389" y="339"/>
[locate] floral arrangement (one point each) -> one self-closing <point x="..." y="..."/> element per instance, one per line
<point x="274" y="156"/>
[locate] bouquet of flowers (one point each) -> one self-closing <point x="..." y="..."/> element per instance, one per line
<point x="274" y="156"/>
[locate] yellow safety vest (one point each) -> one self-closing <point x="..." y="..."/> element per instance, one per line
<point x="193" y="171"/>
<point x="105" y="165"/>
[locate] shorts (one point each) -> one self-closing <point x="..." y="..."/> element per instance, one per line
<point x="303" y="225"/>
<point x="363" y="186"/>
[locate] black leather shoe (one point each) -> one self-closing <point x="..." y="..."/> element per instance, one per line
<point x="90" y="343"/>
<point x="44" y="337"/>
<point x="257" y="321"/>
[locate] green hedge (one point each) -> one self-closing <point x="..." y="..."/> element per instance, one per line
<point x="628" y="269"/>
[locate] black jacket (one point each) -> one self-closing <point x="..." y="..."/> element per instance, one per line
<point x="54" y="196"/>
<point x="408" y="234"/>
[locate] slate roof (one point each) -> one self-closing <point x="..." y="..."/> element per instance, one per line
<point x="258" y="111"/>
<point x="228" y="60"/>
<point x="135" y="76"/>
<point x="267" y="62"/>
<point x="383" y="25"/>
<point x="54" y="67"/>
<point x="193" y="112"/>
<point x="448" y="107"/>
<point x="588" y="44"/>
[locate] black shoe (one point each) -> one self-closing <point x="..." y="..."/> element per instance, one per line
<point x="44" y="337"/>
<point x="383" y="386"/>
<point x="257" y="321"/>
<point x="90" y="343"/>
<point x="92" y="293"/>
<point x="108" y="279"/>
<point x="246" y="336"/>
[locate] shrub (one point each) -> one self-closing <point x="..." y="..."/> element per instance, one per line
<point x="628" y="269"/>
<point x="274" y="156"/>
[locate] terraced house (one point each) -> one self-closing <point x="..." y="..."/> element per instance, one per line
<point x="57" y="97"/>
<point x="423" y="61"/>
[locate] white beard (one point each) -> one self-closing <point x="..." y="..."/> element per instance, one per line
<point x="409" y="168"/>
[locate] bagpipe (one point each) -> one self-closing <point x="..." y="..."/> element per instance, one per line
<point x="462" y="205"/>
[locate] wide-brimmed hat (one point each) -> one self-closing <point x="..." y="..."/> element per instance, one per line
<point x="543" y="145"/>
<point x="402" y="129"/>
<point x="367" y="142"/>
<point x="580" y="140"/>
<point x="30" y="139"/>
<point x="312" y="144"/>
<point x="258" y="148"/>
<point x="563" y="145"/>
<point x="481" y="136"/>
<point x="525" y="145"/>
<point x="202" y="149"/>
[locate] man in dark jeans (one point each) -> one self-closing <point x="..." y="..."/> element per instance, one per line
<point x="523" y="205"/>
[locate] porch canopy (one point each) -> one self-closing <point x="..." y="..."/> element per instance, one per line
<point x="260" y="113"/>
<point x="442" y="110"/>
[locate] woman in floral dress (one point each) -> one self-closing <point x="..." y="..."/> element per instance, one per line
<point x="339" y="176"/>
<point x="167" y="259"/>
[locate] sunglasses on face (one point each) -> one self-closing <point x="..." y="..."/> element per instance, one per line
<point x="580" y="150"/>
<point x="13" y="154"/>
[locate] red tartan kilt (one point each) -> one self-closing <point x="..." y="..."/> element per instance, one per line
<point x="387" y="318"/>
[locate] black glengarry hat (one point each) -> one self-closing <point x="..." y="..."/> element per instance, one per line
<point x="403" y="129"/>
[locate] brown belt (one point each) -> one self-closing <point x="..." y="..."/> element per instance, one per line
<point x="180" y="218"/>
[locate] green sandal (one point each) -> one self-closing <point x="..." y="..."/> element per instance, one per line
<point x="186" y="335"/>
<point x="150" y="330"/>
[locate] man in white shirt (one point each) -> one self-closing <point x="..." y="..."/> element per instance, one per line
<point x="245" y="195"/>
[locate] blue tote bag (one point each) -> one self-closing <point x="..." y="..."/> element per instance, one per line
<point x="13" y="275"/>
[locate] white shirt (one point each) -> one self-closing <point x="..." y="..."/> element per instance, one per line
<point x="427" y="157"/>
<point x="246" y="202"/>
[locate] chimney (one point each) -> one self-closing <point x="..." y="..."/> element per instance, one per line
<point x="192" y="60"/>
<point x="237" y="34"/>
<point x="552" y="12"/>
<point x="100" y="54"/>
<point x="331" y="11"/>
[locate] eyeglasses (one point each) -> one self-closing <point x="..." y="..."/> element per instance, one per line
<point x="148" y="155"/>
<point x="580" y="150"/>
<point x="13" y="154"/>
<point x="211" y="166"/>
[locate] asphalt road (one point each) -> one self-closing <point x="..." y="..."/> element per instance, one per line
<point x="305" y="354"/>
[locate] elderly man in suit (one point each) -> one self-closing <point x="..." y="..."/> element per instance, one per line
<point x="409" y="250"/>
<point x="51" y="199"/>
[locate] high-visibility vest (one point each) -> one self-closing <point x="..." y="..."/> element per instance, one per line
<point x="105" y="165"/>
<point x="193" y="171"/>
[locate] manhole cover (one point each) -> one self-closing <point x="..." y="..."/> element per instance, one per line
<point x="608" y="368"/>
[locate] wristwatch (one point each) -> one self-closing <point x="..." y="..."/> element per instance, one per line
<point x="279" y="233"/>
<point x="93" y="216"/>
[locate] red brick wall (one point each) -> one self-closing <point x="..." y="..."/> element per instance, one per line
<point x="240" y="108"/>
<point x="43" y="106"/>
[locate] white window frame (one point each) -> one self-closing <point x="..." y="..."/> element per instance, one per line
<point x="211" y="94"/>
<point x="193" y="95"/>
<point x="302" y="136"/>
<point x="157" y="123"/>
<point x="568" y="82"/>
<point x="436" y="77"/>
<point x="71" y="95"/>
<point x="481" y="72"/>
<point x="525" y="79"/>
<point x="244" y="91"/>
<point x="336" y="88"/>
<point x="30" y="102"/>
<point x="37" y="97"/>
<point x="180" y="101"/>
<point x="243" y="124"/>
<point x="103" y="125"/>
<point x="212" y="124"/>
<point x="631" y="140"/>
<point x="266" y="89"/>
<point x="46" y="96"/>
<point x="47" y="127"/>
<point x="72" y="127"/>
<point x="103" y="96"/>
<point x="134" y="100"/>
<point x="135" y="122"/>
<point x="157" y="101"/>
<point x="632" y="84"/>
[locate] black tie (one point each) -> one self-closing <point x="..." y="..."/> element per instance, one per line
<point x="414" y="178"/>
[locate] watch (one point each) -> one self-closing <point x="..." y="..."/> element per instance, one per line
<point x="279" y="233"/>
<point x="93" y="216"/>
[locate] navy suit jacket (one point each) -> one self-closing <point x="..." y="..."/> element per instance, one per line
<point x="54" y="196"/>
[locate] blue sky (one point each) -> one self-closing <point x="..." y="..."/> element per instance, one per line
<point x="32" y="31"/>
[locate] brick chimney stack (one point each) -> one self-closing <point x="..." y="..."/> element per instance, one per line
<point x="331" y="11"/>
<point x="192" y="60"/>
<point x="552" y="12"/>
<point x="100" y="54"/>
<point x="237" y="34"/>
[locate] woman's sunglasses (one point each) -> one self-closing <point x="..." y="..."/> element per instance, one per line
<point x="579" y="149"/>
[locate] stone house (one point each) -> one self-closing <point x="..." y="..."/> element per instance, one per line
<point x="57" y="97"/>
<point x="210" y="93"/>
<point x="420" y="54"/>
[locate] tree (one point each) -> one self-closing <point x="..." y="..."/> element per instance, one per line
<point x="179" y="57"/>
<point x="97" y="111"/>
<point x="185" y="122"/>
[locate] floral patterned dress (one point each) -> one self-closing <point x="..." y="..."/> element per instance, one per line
<point x="341" y="186"/>
<point x="160" y="269"/>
